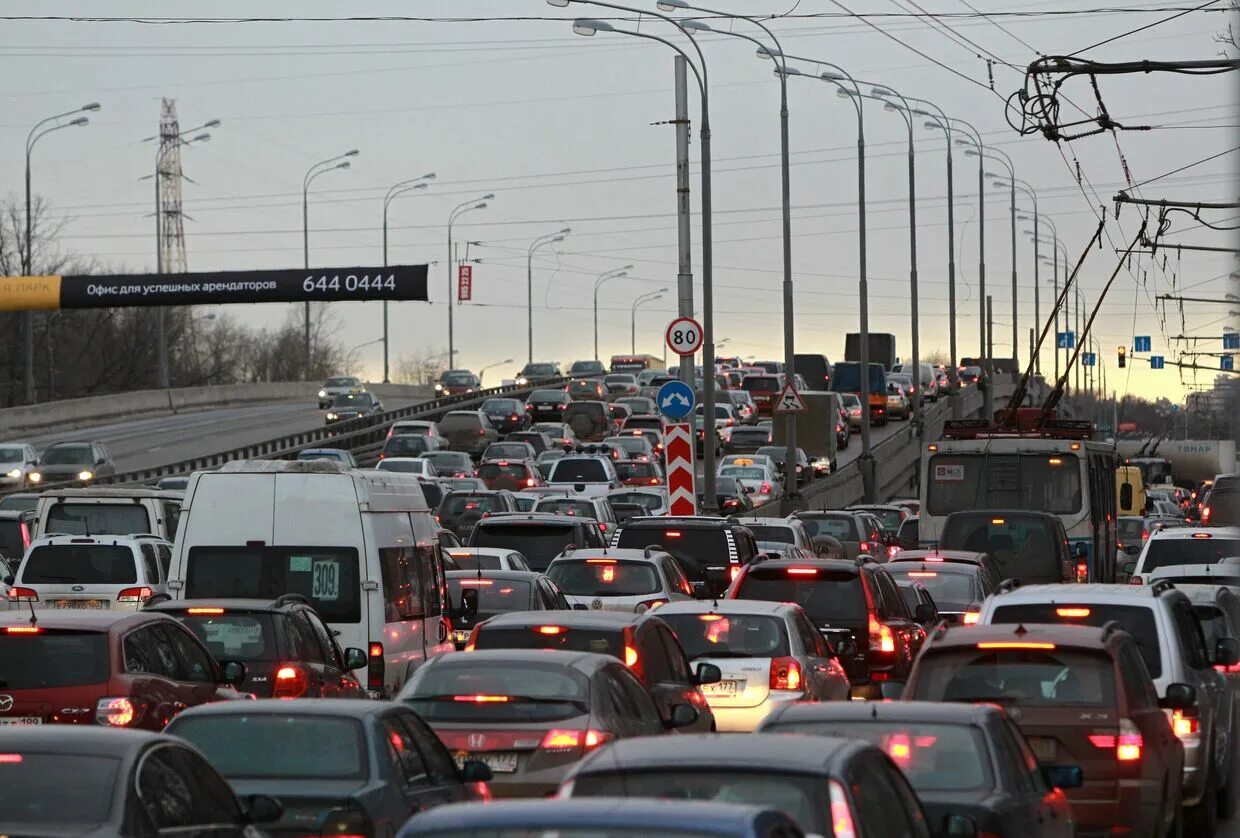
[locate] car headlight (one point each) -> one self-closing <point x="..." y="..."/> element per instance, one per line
<point x="85" y="475"/>
<point x="332" y="416"/>
<point x="322" y="394"/>
<point x="15" y="473"/>
<point x="438" y="387"/>
<point x="34" y="477"/>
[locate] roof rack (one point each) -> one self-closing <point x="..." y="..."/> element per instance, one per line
<point x="1110" y="627"/>
<point x="1008" y="585"/>
<point x="1161" y="586"/>
<point x="290" y="599"/>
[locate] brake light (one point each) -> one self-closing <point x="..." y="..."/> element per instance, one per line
<point x="118" y="712"/>
<point x="474" y="583"/>
<point x="291" y="682"/>
<point x="892" y="551"/>
<point x="23" y="595"/>
<point x="900" y="749"/>
<point x="482" y="699"/>
<point x="733" y="572"/>
<point x="1145" y="534"/>
<point x="1073" y="613"/>
<point x="550" y="630"/>
<point x="672" y="533"/>
<point x="802" y="571"/>
<point x="630" y="656"/>
<point x="922" y="574"/>
<point x="1185" y="726"/>
<point x="1128" y="746"/>
<point x="785" y="674"/>
<point x="23" y="630"/>
<point x="1205" y="515"/>
<point x="765" y="489"/>
<point x="472" y="642"/>
<point x="206" y="610"/>
<point x="864" y="547"/>
<point x="10" y="759"/>
<point x="1082" y="571"/>
<point x="376" y="667"/>
<point x="564" y="740"/>
<point x="141" y="594"/>
<point x="842" y="825"/>
<point x="881" y="637"/>
<point x="971" y="618"/>
<point x="1019" y="644"/>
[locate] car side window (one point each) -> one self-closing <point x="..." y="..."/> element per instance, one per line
<point x="813" y="641"/>
<point x="1136" y="679"/>
<point x="679" y="664"/>
<point x="331" y="651"/>
<point x="194" y="664"/>
<point x="164" y="552"/>
<point x="150" y="564"/>
<point x="301" y="640"/>
<point x="546" y="599"/>
<point x="178" y="788"/>
<point x="434" y="754"/>
<point x="643" y="707"/>
<point x="1011" y="767"/>
<point x="403" y="750"/>
<point x="676" y="579"/>
<point x="881" y="808"/>
<point x="142" y="656"/>
<point x="1189" y="631"/>
<point x="893" y="600"/>
<point x="652" y="658"/>
<point x="1029" y="762"/>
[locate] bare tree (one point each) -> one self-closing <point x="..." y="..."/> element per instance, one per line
<point x="420" y="367"/>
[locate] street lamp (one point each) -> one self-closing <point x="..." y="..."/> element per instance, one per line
<point x="642" y="300"/>
<point x="416" y="184"/>
<point x="1000" y="156"/>
<point x="541" y="241"/>
<point x="598" y="283"/>
<point x="457" y="212"/>
<point x="482" y="371"/>
<point x="328" y="165"/>
<point x="27" y="267"/>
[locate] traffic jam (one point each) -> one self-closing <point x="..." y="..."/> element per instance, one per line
<point x="508" y="625"/>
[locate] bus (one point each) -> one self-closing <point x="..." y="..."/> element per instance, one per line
<point x="635" y="363"/>
<point x="1048" y="466"/>
<point x="848" y="380"/>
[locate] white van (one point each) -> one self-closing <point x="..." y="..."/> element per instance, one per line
<point x="359" y="544"/>
<point x="104" y="510"/>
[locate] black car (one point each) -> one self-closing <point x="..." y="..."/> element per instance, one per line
<point x="355" y="767"/>
<point x="963" y="760"/>
<point x="580" y="368"/>
<point x="538" y="371"/>
<point x="779" y="453"/>
<point x="287" y="649"/>
<point x="72" y="462"/>
<point x="1029" y="546"/>
<point x="697" y="543"/>
<point x="537" y="440"/>
<point x="746" y="439"/>
<point x="538" y="536"/>
<point x="477" y="595"/>
<point x="547" y="405"/>
<point x="460" y="512"/>
<point x="450" y="463"/>
<point x="408" y="445"/>
<point x="87" y="780"/>
<point x="730" y="496"/>
<point x="958" y="586"/>
<point x="348" y="406"/>
<point x="857" y="606"/>
<point x="506" y="415"/>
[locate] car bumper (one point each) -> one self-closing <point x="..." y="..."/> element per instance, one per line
<point x="747" y="719"/>
<point x="1134" y="806"/>
<point x="543" y="783"/>
<point x="7" y="482"/>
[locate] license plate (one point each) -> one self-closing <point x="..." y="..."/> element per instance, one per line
<point x="78" y="603"/>
<point x="21" y="721"/>
<point x="460" y="636"/>
<point x="720" y="688"/>
<point x="501" y="762"/>
<point x="1043" y="749"/>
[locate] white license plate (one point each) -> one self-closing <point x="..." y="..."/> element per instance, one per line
<point x="501" y="762"/>
<point x="721" y="688"/>
<point x="1043" y="749"/>
<point x="94" y="604"/>
<point x="21" y="721"/>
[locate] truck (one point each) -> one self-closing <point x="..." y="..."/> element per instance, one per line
<point x="847" y="379"/>
<point x="817" y="428"/>
<point x="882" y="348"/>
<point x="1192" y="460"/>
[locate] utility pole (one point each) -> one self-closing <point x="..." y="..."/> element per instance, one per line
<point x="684" y="273"/>
<point x="988" y="328"/>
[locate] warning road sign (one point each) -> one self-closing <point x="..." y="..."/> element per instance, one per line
<point x="789" y="401"/>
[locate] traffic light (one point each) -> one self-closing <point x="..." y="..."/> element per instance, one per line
<point x="1123" y="356"/>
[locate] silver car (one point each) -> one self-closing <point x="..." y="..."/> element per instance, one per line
<point x="335" y="386"/>
<point x="632" y="581"/>
<point x="17" y="460"/>
<point x="770" y="654"/>
<point x="95" y="573"/>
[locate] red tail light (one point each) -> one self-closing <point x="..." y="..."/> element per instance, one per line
<point x="472" y="642"/>
<point x="785" y="674"/>
<point x="842" y="825"/>
<point x="1205" y="515"/>
<point x="376" y="667"/>
<point x="1136" y="580"/>
<point x="631" y="659"/>
<point x="134" y="594"/>
<point x="1082" y="572"/>
<point x="23" y="595"/>
<point x="881" y="637"/>
<point x="733" y="572"/>
<point x="23" y="630"/>
<point x="864" y="547"/>
<point x="291" y="682"/>
<point x="765" y="488"/>
<point x="1127" y="745"/>
<point x="971" y="618"/>
<point x="1185" y="726"/>
<point x="567" y="740"/>
<point x="119" y="712"/>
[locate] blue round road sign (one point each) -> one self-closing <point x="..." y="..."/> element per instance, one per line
<point x="675" y="400"/>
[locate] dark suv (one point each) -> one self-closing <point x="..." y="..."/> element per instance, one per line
<point x="460" y="512"/>
<point x="590" y="420"/>
<point x="696" y="542"/>
<point x="856" y="605"/>
<point x="537" y="536"/>
<point x="506" y="415"/>
<point x="958" y="582"/>
<point x="287" y="649"/>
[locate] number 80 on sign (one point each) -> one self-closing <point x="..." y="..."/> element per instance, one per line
<point x="684" y="336"/>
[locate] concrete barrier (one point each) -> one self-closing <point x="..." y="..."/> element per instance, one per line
<point x="68" y="414"/>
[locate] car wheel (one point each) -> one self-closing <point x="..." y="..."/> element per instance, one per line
<point x="1202" y="819"/>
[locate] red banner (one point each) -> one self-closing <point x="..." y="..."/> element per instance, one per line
<point x="465" y="283"/>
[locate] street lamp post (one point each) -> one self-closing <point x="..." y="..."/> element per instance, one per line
<point x="458" y="211"/>
<point x="643" y="299"/>
<point x="604" y="278"/>
<point x="999" y="156"/>
<point x="541" y="241"/>
<point x="28" y="262"/>
<point x="328" y="165"/>
<point x="411" y="185"/>
<point x="482" y="371"/>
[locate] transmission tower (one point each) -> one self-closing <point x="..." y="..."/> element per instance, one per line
<point x="171" y="224"/>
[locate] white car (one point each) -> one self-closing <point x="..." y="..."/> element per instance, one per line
<point x="1186" y="546"/>
<point x="17" y="460"/>
<point x="335" y="386"/>
<point x="409" y="465"/>
<point x="586" y="475"/>
<point x="597" y="508"/>
<point x="759" y="481"/>
<point x="770" y="654"/>
<point x="1226" y="572"/>
<point x="96" y="573"/>
<point x="652" y="499"/>
<point x="747" y="460"/>
<point x="631" y="581"/>
<point x="786" y="535"/>
<point x="487" y="558"/>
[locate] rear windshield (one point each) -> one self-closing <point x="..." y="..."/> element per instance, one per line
<point x="475" y="561"/>
<point x="577" y="470"/>
<point x="81" y="564"/>
<point x="753" y="435"/>
<point x="743" y="472"/>
<point x="826" y="595"/>
<point x="889" y="519"/>
<point x="604" y="577"/>
<point x="58" y="789"/>
<point x="276" y="746"/>
<point x="455" y="506"/>
<point x="636" y="470"/>
<point x="514" y="693"/>
<point x="495" y="596"/>
<point x="517" y="473"/>
<point x="448" y="460"/>
<point x="566" y="506"/>
<point x="647" y="502"/>
<point x="696" y="548"/>
<point x="457" y="422"/>
<point x="1027" y="677"/>
<point x="539" y="543"/>
<point x="234" y="637"/>
<point x="760" y="384"/>
<point x="730" y="636"/>
<point x="1129" y="529"/>
<point x="934" y="757"/>
<point x="406" y="467"/>
<point x="638" y="423"/>
<point x="762" y="532"/>
<point x="1213" y="623"/>
<point x="548" y="396"/>
<point x="842" y="528"/>
<point x="53" y="658"/>
<point x="951" y="591"/>
<point x="328" y="576"/>
<point x="1136" y="620"/>
<point x="1169" y="552"/>
<point x="598" y="641"/>
<point x="1023" y="547"/>
<point x="98" y="519"/>
<point x="407" y="444"/>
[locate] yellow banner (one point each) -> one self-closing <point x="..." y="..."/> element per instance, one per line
<point x="29" y="293"/>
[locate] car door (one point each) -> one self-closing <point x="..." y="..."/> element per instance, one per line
<point x="886" y="806"/>
<point x="181" y="794"/>
<point x="151" y="667"/>
<point x="417" y="789"/>
<point x="1052" y="813"/>
<point x="1209" y="683"/>
<point x="197" y="678"/>
<point x="1019" y="804"/>
<point x="682" y="682"/>
<point x="1161" y="756"/>
<point x="639" y="707"/>
<point x="893" y="611"/>
<point x="444" y="775"/>
<point x="825" y="674"/>
<point x="336" y="680"/>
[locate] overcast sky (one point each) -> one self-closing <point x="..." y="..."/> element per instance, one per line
<point x="560" y="128"/>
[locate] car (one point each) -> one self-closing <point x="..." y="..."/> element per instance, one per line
<point x="96" y="781"/>
<point x="588" y="475"/>
<point x="536" y="440"/>
<point x="889" y="516"/>
<point x="540" y="537"/>
<point x="338" y="455"/>
<point x="629" y="581"/>
<point x="1185" y="545"/>
<point x="742" y="401"/>
<point x="620" y="385"/>
<point x="425" y="427"/>
<point x="963" y="760"/>
<point x="410" y="465"/>
<point x="1081" y="695"/>
<point x="509" y="475"/>
<point x="640" y="472"/>
<point x="916" y="594"/>
<point x="19" y="502"/>
<point x="335" y="386"/>
<point x="746" y="439"/>
<point x="760" y="482"/>
<point x="969" y="375"/>
<point x="587" y="389"/>
<point x="1226" y="572"/>
<point x="583" y="368"/>
<point x="72" y="462"/>
<point x="508" y="450"/>
<point x="850" y="403"/>
<point x="15" y="537"/>
<point x="530" y="713"/>
<point x="456" y="383"/>
<point x="410" y="445"/>
<point x="640" y="405"/>
<point x="287" y="649"/>
<point x="958" y="582"/>
<point x="747" y="460"/>
<point x="653" y="438"/>
<point x="845" y="601"/>
<point x="908" y="536"/>
<point x="547" y="405"/>
<point x="506" y="415"/>
<point x="460" y="511"/>
<point x="476" y="595"/>
<point x="590" y="420"/>
<point x="1172" y="649"/>
<point x="487" y="558"/>
<point x="537" y="371"/>
<point x="778" y="454"/>
<point x="99" y="510"/>
<point x="350" y="767"/>
<point x="648" y="500"/>
<point x="559" y="433"/>
<point x="696" y="542"/>
<point x="780" y="532"/>
<point x="899" y="404"/>
<point x="111" y="668"/>
<point x="858" y="534"/>
<point x="829" y="786"/>
<point x="17" y="460"/>
<point x="769" y="655"/>
<point x="1025" y="545"/>
<point x="352" y="405"/>
<point x="730" y="497"/>
<point x="635" y="446"/>
<point x="468" y="431"/>
<point x="1221" y="507"/>
<point x="97" y="573"/>
<point x="450" y="463"/>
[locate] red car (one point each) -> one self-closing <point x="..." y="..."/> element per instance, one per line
<point x="114" y="668"/>
<point x="513" y="475"/>
<point x="639" y="473"/>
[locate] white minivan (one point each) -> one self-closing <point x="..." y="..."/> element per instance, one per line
<point x="108" y="510"/>
<point x="359" y="544"/>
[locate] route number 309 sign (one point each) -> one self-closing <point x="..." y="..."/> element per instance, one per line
<point x="684" y="336"/>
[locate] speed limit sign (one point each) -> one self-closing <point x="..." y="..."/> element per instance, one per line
<point x="684" y="336"/>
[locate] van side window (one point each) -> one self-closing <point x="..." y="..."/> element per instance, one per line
<point x="150" y="564"/>
<point x="430" y="565"/>
<point x="172" y="519"/>
<point x="402" y="586"/>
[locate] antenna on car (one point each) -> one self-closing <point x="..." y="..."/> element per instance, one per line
<point x="34" y="621"/>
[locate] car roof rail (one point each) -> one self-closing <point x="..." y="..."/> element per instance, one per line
<point x="651" y="549"/>
<point x="291" y="599"/>
<point x="1160" y="586"/>
<point x="155" y="599"/>
<point x="1008" y="585"/>
<point x="147" y="535"/>
<point x="1110" y="627"/>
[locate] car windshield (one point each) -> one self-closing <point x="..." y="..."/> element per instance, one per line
<point x="730" y="635"/>
<point x="234" y="637"/>
<point x="53" y="658"/>
<point x="508" y="451"/>
<point x="448" y="461"/>
<point x="1030" y="676"/>
<point x="604" y="577"/>
<point x="1169" y="552"/>
<point x="12" y="454"/>
<point x="522" y="692"/>
<point x="579" y="470"/>
<point x="340" y="382"/>
<point x="57" y="791"/>
<point x="327" y="576"/>
<point x="80" y="564"/>
<point x="19" y="503"/>
<point x="951" y="590"/>
<point x="934" y="757"/>
<point x="772" y="532"/>
<point x="406" y="444"/>
<point x="538" y="370"/>
<point x="495" y="596"/>
<point x="98" y="519"/>
<point x="1032" y="482"/>
<point x="743" y="472"/>
<point x="695" y="548"/>
<point x="889" y="519"/>
<point x="539" y="542"/>
<point x="826" y="595"/>
<point x="457" y="379"/>
<point x="61" y="455"/>
<point x="566" y="506"/>
<point x="353" y="400"/>
<point x="1023" y="546"/>
<point x="294" y="746"/>
<point x="1137" y="620"/>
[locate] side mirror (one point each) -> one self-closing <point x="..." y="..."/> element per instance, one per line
<point x="707" y="673"/>
<point x="355" y="659"/>
<point x="925" y="613"/>
<point x="580" y="606"/>
<point x="260" y="808"/>
<point x="1179" y="697"/>
<point x="1226" y="651"/>
<point x="469" y="602"/>
<point x="683" y="715"/>
<point x="101" y="462"/>
<point x="8" y="580"/>
<point x="717" y="579"/>
<point x="477" y="771"/>
<point x="958" y="826"/>
<point x="1063" y="776"/>
<point x="233" y="674"/>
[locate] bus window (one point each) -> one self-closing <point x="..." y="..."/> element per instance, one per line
<point x="1036" y="482"/>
